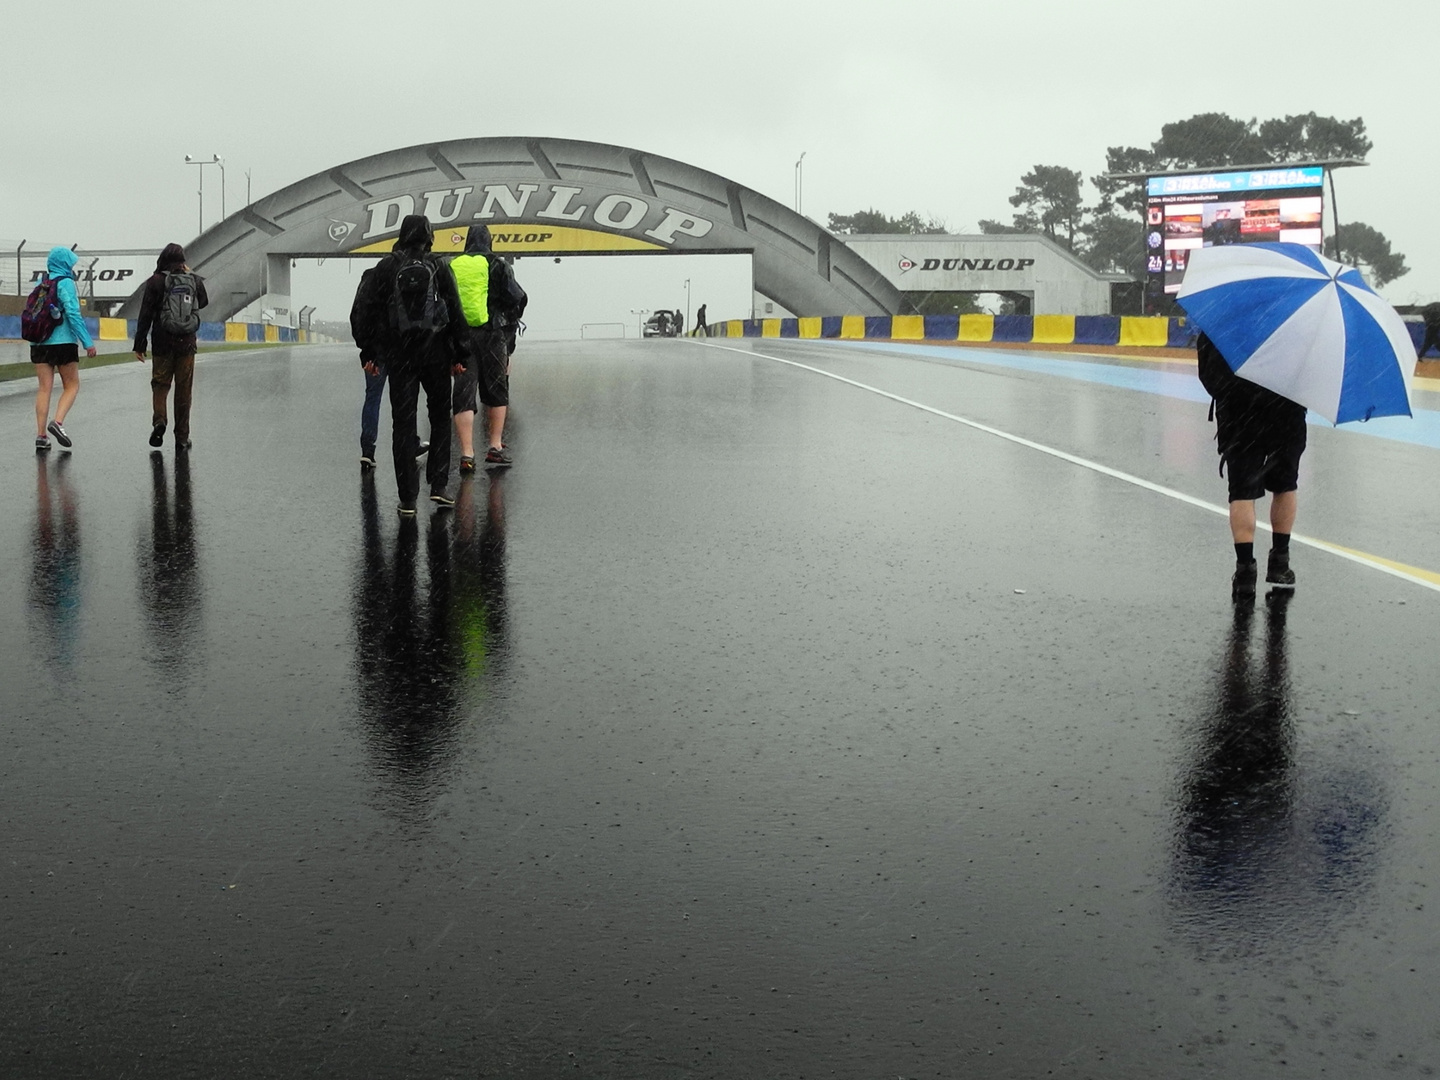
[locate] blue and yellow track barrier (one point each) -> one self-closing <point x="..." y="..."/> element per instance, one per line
<point x="107" y="329"/>
<point x="1131" y="330"/>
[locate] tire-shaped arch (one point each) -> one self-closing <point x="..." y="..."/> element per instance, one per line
<point x="539" y="196"/>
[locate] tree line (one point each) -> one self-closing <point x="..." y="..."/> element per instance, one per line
<point x="1108" y="233"/>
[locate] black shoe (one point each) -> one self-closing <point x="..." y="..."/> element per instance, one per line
<point x="59" y="432"/>
<point x="498" y="455"/>
<point x="367" y="459"/>
<point x="423" y="449"/>
<point x="441" y="500"/>
<point x="406" y="509"/>
<point x="157" y="435"/>
<point x="42" y="444"/>
<point x="1242" y="585"/>
<point x="1278" y="572"/>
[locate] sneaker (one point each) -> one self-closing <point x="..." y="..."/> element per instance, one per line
<point x="406" y="509"/>
<point x="1243" y="583"/>
<point x="423" y="449"/>
<point x="157" y="435"/>
<point x="183" y="445"/>
<point x="59" y="432"/>
<point x="1278" y="572"/>
<point x="498" y="455"/>
<point x="367" y="459"/>
<point x="42" y="444"/>
<point x="441" y="500"/>
<point x="467" y="465"/>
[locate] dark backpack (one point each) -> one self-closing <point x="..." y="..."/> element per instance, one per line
<point x="42" y="312"/>
<point x="415" y="303"/>
<point x="179" y="315"/>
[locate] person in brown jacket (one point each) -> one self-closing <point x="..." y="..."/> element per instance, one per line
<point x="170" y="317"/>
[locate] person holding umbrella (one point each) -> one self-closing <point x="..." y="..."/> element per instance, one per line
<point x="1260" y="436"/>
<point x="1284" y="329"/>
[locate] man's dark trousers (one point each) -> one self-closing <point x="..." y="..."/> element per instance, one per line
<point x="405" y="385"/>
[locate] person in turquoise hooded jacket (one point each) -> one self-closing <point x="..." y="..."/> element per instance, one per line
<point x="60" y="352"/>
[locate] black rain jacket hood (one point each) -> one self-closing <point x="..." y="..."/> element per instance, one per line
<point x="416" y="233"/>
<point x="477" y="240"/>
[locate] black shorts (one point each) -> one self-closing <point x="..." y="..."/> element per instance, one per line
<point x="1251" y="473"/>
<point x="55" y="355"/>
<point x="486" y="375"/>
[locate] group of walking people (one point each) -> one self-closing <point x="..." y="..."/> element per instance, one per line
<point x="448" y="328"/>
<point x="169" y="321"/>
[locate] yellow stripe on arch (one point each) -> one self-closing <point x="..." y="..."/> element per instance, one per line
<point x="528" y="239"/>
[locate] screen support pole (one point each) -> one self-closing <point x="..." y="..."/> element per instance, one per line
<point x="1335" y="214"/>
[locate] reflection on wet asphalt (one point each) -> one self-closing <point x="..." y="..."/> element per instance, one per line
<point x="1260" y="843"/>
<point x="55" y="585"/>
<point x="423" y="649"/>
<point x="168" y="571"/>
<point x="752" y="725"/>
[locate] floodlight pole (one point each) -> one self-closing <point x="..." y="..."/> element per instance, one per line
<point x="800" y="182"/>
<point x="19" y="273"/>
<point x="214" y="160"/>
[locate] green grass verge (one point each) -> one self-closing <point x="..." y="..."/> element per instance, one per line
<point x="26" y="370"/>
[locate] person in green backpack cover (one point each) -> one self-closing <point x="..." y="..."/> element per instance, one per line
<point x="170" y="316"/>
<point x="492" y="301"/>
<point x="59" y="352"/>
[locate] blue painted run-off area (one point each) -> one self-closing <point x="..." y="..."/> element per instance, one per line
<point x="1423" y="429"/>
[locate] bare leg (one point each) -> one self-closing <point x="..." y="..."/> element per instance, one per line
<point x="46" y="374"/>
<point x="70" y="381"/>
<point x="1242" y="521"/>
<point x="465" y="432"/>
<point x="1282" y="512"/>
<point x="495" y="426"/>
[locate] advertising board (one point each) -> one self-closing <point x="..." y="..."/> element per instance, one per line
<point x="1183" y="213"/>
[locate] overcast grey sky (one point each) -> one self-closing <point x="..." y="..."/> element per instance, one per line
<point x="906" y="104"/>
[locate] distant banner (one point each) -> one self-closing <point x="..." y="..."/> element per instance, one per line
<point x="512" y="239"/>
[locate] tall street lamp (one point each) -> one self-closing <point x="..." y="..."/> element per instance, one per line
<point x="202" y="162"/>
<point x="800" y="182"/>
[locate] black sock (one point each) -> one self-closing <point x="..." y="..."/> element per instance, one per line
<point x="1245" y="553"/>
<point x="1281" y="543"/>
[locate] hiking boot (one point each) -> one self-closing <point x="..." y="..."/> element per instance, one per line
<point x="367" y="459"/>
<point x="59" y="432"/>
<point x="406" y="509"/>
<point x="1278" y="573"/>
<point x="1242" y="584"/>
<point x="157" y="435"/>
<point x="498" y="455"/>
<point x="467" y="466"/>
<point x="441" y="500"/>
<point x="41" y="444"/>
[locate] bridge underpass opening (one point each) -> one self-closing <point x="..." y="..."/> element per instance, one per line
<point x="569" y="295"/>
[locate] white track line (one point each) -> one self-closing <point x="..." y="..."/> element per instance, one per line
<point x="1373" y="562"/>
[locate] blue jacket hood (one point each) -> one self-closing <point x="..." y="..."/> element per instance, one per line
<point x="61" y="262"/>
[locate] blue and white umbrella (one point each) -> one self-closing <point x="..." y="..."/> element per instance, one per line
<point x="1303" y="326"/>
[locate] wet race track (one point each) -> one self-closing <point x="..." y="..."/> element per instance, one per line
<point x="754" y="725"/>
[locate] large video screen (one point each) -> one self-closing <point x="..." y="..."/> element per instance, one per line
<point x="1183" y="213"/>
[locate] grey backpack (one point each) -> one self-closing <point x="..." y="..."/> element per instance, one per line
<point x="179" y="314"/>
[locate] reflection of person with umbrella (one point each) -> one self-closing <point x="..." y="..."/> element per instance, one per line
<point x="1283" y="330"/>
<point x="1267" y="851"/>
